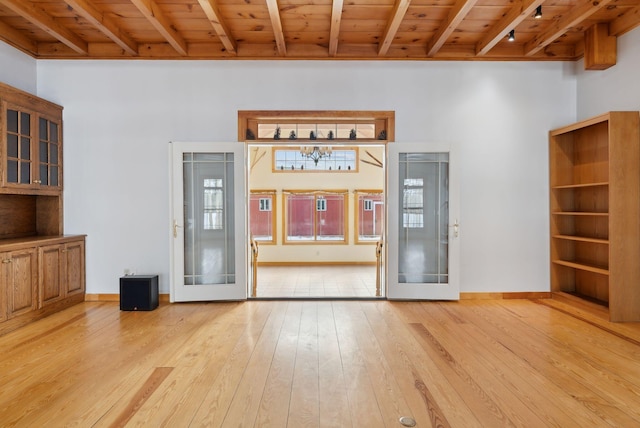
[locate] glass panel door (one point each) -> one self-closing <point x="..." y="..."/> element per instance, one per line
<point x="422" y="227"/>
<point x="208" y="223"/>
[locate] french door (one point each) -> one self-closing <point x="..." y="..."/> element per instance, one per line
<point x="208" y="224"/>
<point x="422" y="227"/>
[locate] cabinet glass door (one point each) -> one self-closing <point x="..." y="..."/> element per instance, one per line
<point x="49" y="153"/>
<point x="208" y="222"/>
<point x="422" y="249"/>
<point x="19" y="147"/>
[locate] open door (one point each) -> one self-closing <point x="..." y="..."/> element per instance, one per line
<point x="422" y="227"/>
<point x="208" y="224"/>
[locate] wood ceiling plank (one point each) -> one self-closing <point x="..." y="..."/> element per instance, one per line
<point x="17" y="39"/>
<point x="399" y="11"/>
<point x="276" y="23"/>
<point x="520" y="11"/>
<point x="460" y="9"/>
<point x="153" y="13"/>
<point x="627" y="22"/>
<point x="105" y="24"/>
<point x="40" y="18"/>
<point x="559" y="27"/>
<point x="334" y="33"/>
<point x="210" y="8"/>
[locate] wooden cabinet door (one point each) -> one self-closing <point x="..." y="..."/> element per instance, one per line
<point x="50" y="273"/>
<point x="20" y="271"/>
<point x="4" y="284"/>
<point x="74" y="280"/>
<point x="18" y="146"/>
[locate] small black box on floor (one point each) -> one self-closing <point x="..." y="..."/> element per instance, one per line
<point x="138" y="292"/>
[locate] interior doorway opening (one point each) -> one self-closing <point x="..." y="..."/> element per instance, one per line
<point x="316" y="225"/>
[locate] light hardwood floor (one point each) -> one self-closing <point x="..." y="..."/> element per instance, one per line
<point x="322" y="363"/>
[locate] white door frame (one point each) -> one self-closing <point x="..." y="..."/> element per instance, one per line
<point x="208" y="292"/>
<point x="421" y="291"/>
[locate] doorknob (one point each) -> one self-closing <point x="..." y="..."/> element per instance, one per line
<point x="456" y="228"/>
<point x="175" y="228"/>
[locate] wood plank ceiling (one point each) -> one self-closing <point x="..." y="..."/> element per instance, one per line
<point x="314" y="29"/>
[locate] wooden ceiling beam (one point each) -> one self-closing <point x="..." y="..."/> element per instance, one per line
<point x="210" y="8"/>
<point x="399" y="11"/>
<point x="276" y="23"/>
<point x="336" y="19"/>
<point x="40" y="18"/>
<point x="153" y="13"/>
<point x="17" y="39"/>
<point x="458" y="12"/>
<point x="520" y="11"/>
<point x="627" y="22"/>
<point x="105" y="24"/>
<point x="559" y="27"/>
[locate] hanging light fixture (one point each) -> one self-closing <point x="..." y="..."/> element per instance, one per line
<point x="512" y="35"/>
<point x="315" y="153"/>
<point x="538" y="13"/>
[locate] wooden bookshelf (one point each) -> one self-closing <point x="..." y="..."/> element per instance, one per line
<point x="594" y="170"/>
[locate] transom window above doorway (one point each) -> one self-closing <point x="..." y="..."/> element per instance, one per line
<point x="315" y="159"/>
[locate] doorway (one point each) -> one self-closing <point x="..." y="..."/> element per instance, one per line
<point x="316" y="216"/>
<point x="408" y="220"/>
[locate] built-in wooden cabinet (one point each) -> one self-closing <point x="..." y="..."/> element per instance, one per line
<point x="42" y="270"/>
<point x="595" y="212"/>
<point x="61" y="270"/>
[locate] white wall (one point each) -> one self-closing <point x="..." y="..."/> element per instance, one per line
<point x="617" y="88"/>
<point x="17" y="69"/>
<point x="120" y="115"/>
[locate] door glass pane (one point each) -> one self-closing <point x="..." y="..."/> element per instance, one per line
<point x="12" y="171"/>
<point x="54" y="175"/>
<point x="44" y="175"/>
<point x="44" y="152"/>
<point x="12" y="146"/>
<point x="53" y="153"/>
<point x="423" y="218"/>
<point x="12" y="121"/>
<point x="53" y="132"/>
<point x="25" y="123"/>
<point x="209" y="219"/>
<point x="25" y="148"/>
<point x="43" y="129"/>
<point x="25" y="172"/>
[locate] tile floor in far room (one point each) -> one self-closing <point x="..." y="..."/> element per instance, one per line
<point x="317" y="281"/>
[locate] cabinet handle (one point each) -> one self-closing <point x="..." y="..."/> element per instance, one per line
<point x="37" y="181"/>
<point x="5" y="261"/>
<point x="64" y="250"/>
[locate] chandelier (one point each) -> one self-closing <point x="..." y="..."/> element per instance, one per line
<point x="315" y="153"/>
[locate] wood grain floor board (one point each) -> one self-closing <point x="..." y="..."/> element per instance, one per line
<point x="304" y="405"/>
<point x="226" y="384"/>
<point x="433" y="400"/>
<point x="274" y="405"/>
<point x="602" y="353"/>
<point x="332" y="386"/>
<point x="574" y="387"/>
<point x="362" y="397"/>
<point x="322" y="363"/>
<point x="246" y="400"/>
<point x="486" y="365"/>
<point x="392" y="404"/>
<point x="195" y="364"/>
<point x="397" y="344"/>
